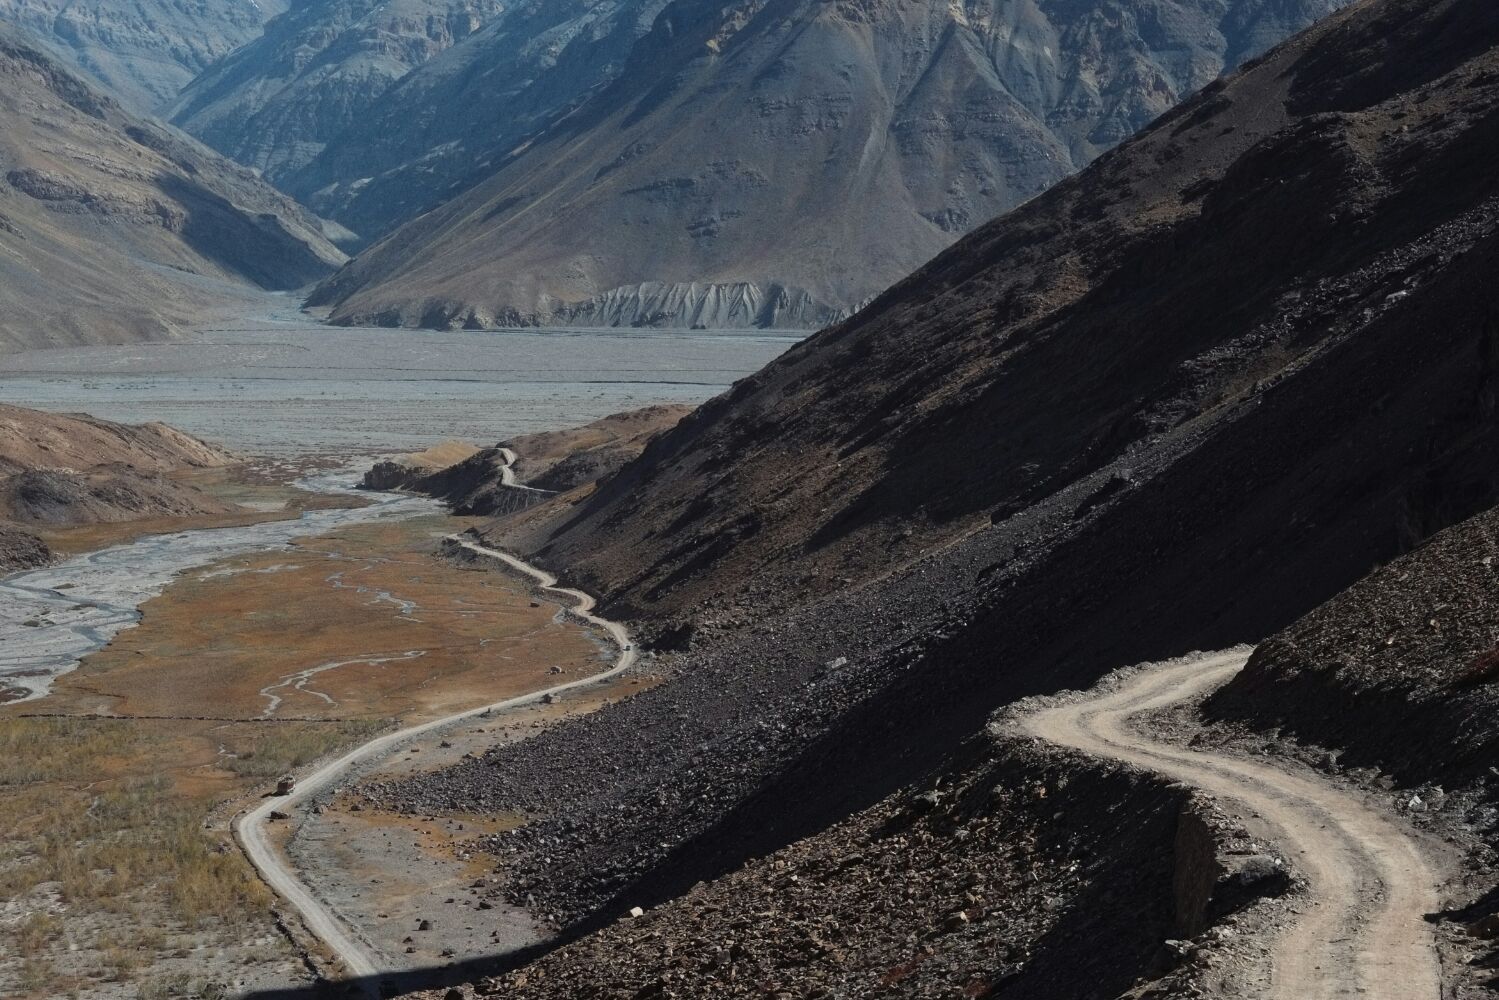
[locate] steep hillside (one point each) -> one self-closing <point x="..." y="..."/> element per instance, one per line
<point x="274" y="103"/>
<point x="116" y="228"/>
<point x="33" y="439"/>
<point x="998" y="869"/>
<point x="776" y="164"/>
<point x="566" y="459"/>
<point x="143" y="52"/>
<point x="1399" y="672"/>
<point x="1177" y="402"/>
<point x="1254" y="246"/>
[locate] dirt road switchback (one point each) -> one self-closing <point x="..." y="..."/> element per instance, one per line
<point x="1362" y="929"/>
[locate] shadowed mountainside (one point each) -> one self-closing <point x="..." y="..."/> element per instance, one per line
<point x="1174" y="403"/>
<point x="1259" y="246"/>
<point x="1399" y="670"/>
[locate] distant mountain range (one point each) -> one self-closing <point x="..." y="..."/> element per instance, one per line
<point x="756" y="163"/>
<point x="316" y="73"/>
<point x="114" y="227"/>
<point x="331" y="105"/>
<point x="658" y="162"/>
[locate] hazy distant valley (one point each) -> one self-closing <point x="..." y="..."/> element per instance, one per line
<point x="658" y="499"/>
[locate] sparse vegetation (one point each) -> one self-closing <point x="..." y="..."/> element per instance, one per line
<point x="284" y="748"/>
<point x="39" y="750"/>
<point x="108" y="816"/>
<point x="117" y="826"/>
<point x="36" y="932"/>
<point x="165" y="987"/>
<point x="35" y="975"/>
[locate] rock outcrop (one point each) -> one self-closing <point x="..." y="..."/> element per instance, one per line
<point x="114" y="227"/>
<point x="21" y="549"/>
<point x="102" y="495"/>
<point x="759" y="164"/>
<point x="546" y="463"/>
<point x="389" y="474"/>
<point x="474" y="486"/>
<point x="687" y="304"/>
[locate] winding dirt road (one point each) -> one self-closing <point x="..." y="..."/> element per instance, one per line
<point x="507" y="475"/>
<point x="250" y="828"/>
<point x="1363" y="931"/>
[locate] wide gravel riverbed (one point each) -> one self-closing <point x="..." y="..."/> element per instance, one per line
<point x="277" y="383"/>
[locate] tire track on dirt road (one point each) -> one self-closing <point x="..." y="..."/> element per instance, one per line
<point x="1363" y="930"/>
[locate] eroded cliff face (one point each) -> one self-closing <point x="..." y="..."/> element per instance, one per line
<point x="275" y="103"/>
<point x="687" y="304"/>
<point x="142" y="52"/>
<point x="798" y="151"/>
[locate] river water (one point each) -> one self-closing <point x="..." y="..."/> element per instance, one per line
<point x="51" y="617"/>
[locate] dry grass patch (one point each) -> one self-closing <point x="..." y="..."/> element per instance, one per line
<point x="106" y="817"/>
<point x="384" y="629"/>
<point x="278" y="749"/>
<point x="104" y="811"/>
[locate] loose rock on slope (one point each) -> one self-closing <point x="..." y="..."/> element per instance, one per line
<point x="1174" y="403"/>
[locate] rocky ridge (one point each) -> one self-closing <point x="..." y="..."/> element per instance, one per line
<point x="549" y="461"/>
<point x="60" y="470"/>
<point x="374" y="111"/>
<point x="275" y="103"/>
<point x="101" y="495"/>
<point x="37" y="439"/>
